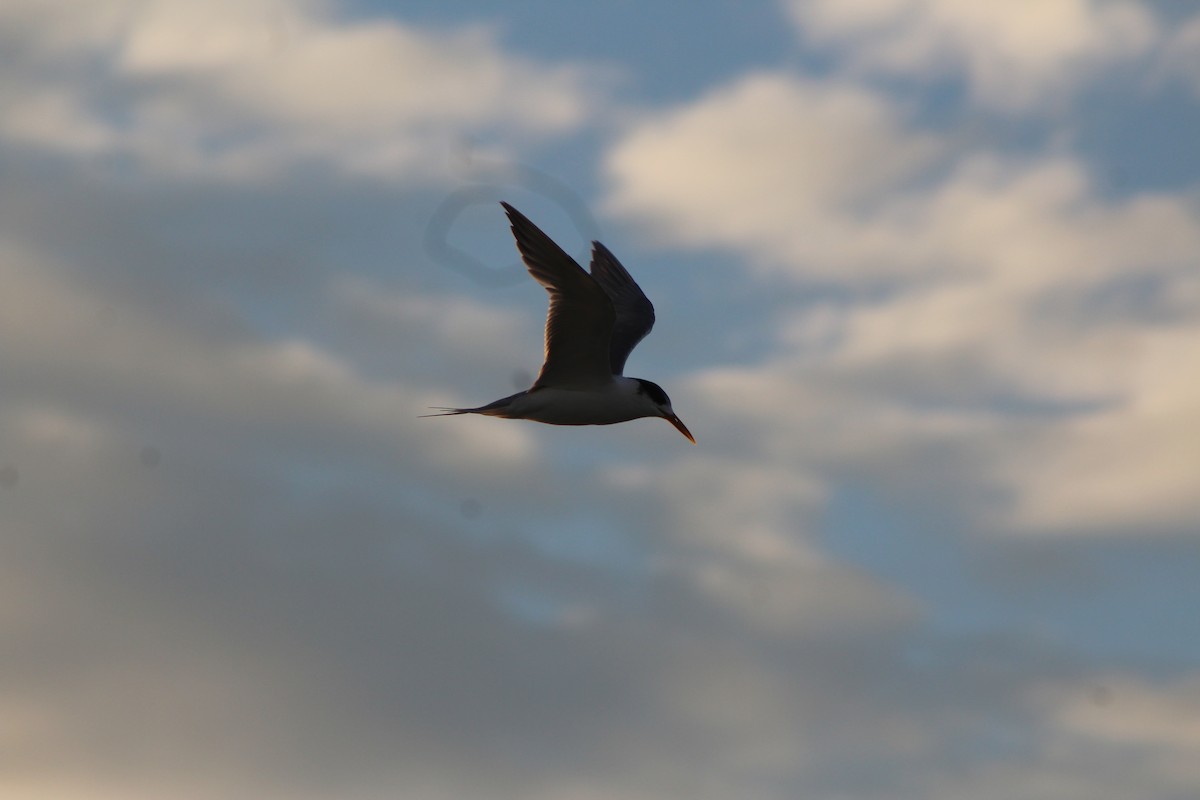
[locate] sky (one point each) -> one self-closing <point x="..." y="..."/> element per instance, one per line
<point x="927" y="279"/>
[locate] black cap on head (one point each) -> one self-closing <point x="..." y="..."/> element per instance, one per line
<point x="653" y="391"/>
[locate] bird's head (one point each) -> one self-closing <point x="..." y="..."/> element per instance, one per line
<point x="655" y="395"/>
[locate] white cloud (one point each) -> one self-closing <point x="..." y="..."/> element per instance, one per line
<point x="1130" y="465"/>
<point x="1009" y="281"/>
<point x="773" y="165"/>
<point x="1023" y="313"/>
<point x="1158" y="724"/>
<point x="1124" y="709"/>
<point x="238" y="90"/>
<point x="1014" y="52"/>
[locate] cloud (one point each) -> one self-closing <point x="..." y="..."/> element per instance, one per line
<point x="235" y="563"/>
<point x="1179" y="56"/>
<point x="289" y="598"/>
<point x="1050" y="297"/>
<point x="1129" y="718"/>
<point x="1013" y="54"/>
<point x="974" y="287"/>
<point x="742" y="533"/>
<point x="1127" y="466"/>
<point x="242" y="90"/>
<point x="92" y="352"/>
<point x="770" y="165"/>
<point x="1132" y="711"/>
<point x="453" y="336"/>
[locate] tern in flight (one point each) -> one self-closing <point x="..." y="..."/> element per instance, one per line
<point x="594" y="322"/>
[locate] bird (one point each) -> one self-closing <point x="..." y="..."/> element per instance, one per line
<point x="594" y="321"/>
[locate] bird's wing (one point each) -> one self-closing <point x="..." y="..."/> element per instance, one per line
<point x="635" y="312"/>
<point x="579" y="324"/>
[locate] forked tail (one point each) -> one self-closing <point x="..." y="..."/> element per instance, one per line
<point x="442" y="411"/>
<point x="497" y="408"/>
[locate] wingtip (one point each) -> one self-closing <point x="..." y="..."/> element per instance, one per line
<point x="516" y="220"/>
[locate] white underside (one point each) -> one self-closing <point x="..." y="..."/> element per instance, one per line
<point x="618" y="401"/>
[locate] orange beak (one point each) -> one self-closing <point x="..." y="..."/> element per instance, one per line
<point x="679" y="426"/>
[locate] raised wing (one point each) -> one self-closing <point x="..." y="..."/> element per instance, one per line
<point x="635" y="313"/>
<point x="579" y="324"/>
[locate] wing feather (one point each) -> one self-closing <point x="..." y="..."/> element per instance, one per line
<point x="579" y="323"/>
<point x="635" y="312"/>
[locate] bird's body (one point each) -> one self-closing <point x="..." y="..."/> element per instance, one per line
<point x="593" y="323"/>
<point x="620" y="400"/>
